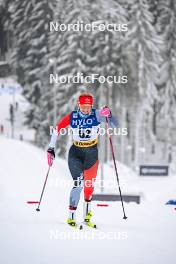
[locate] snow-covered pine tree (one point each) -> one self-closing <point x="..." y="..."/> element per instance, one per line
<point x="5" y="33"/>
<point x="30" y="20"/>
<point x="36" y="60"/>
<point x="19" y="25"/>
<point x="143" y="40"/>
<point x="167" y="81"/>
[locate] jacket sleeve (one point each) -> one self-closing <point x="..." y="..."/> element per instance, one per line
<point x="113" y="121"/>
<point x="63" y="123"/>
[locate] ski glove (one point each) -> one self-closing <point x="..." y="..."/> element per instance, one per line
<point x="106" y="112"/>
<point x="50" y="156"/>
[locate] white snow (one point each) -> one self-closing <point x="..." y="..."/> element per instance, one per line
<point x="148" y="236"/>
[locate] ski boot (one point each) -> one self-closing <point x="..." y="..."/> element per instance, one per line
<point x="88" y="215"/>
<point x="71" y="220"/>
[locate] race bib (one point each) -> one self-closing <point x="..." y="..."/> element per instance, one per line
<point x="84" y="129"/>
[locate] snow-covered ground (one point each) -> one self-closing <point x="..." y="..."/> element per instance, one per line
<point x="148" y="236"/>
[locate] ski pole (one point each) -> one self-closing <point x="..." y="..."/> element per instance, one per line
<point x="115" y="166"/>
<point x="38" y="208"/>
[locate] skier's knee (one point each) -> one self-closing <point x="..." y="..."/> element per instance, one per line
<point x="88" y="193"/>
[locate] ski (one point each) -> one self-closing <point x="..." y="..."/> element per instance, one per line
<point x="90" y="225"/>
<point x="80" y="226"/>
<point x="76" y="226"/>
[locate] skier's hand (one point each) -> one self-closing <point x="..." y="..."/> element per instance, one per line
<point x="50" y="156"/>
<point x="106" y="112"/>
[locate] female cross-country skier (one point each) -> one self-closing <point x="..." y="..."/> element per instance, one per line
<point x="83" y="154"/>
